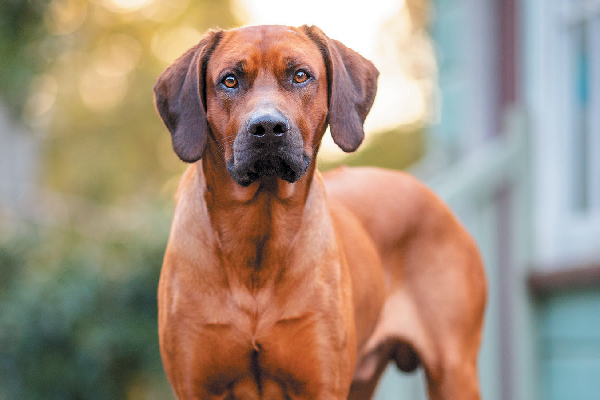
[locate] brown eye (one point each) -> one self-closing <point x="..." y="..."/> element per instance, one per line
<point x="300" y="76"/>
<point x="230" y="81"/>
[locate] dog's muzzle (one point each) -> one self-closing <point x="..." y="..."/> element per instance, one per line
<point x="268" y="146"/>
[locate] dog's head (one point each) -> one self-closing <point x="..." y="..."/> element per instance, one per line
<point x="265" y="95"/>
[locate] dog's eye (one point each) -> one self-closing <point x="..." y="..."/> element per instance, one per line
<point x="230" y="81"/>
<point x="300" y="76"/>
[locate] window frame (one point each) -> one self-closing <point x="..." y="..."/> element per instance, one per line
<point x="564" y="235"/>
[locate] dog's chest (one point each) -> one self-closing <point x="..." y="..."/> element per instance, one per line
<point x="279" y="336"/>
<point x="253" y="346"/>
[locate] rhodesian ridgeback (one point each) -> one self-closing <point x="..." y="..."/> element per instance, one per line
<point x="282" y="283"/>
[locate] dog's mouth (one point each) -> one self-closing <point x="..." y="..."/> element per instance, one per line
<point x="289" y="168"/>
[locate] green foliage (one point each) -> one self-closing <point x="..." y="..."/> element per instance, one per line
<point x="106" y="140"/>
<point x="104" y="119"/>
<point x="21" y="33"/>
<point x="82" y="71"/>
<point x="78" y="316"/>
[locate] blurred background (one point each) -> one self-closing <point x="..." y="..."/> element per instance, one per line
<point x="495" y="104"/>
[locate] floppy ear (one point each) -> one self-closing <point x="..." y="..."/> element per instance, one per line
<point x="179" y="97"/>
<point x="352" y="84"/>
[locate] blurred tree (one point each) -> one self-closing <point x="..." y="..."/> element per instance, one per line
<point x="78" y="314"/>
<point x="21" y="30"/>
<point x="93" y="93"/>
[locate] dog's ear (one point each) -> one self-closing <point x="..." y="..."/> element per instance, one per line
<point x="180" y="99"/>
<point x="351" y="83"/>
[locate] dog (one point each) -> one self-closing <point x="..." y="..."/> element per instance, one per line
<point x="282" y="283"/>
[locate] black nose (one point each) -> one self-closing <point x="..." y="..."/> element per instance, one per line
<point x="271" y="123"/>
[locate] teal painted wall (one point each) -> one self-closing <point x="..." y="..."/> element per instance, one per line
<point x="448" y="33"/>
<point x="570" y="345"/>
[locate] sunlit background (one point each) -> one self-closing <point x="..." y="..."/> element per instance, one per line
<point x="493" y="103"/>
<point x="98" y="60"/>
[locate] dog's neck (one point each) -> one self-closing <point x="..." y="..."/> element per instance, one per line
<point x="257" y="226"/>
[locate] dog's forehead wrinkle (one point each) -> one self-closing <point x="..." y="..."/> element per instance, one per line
<point x="272" y="49"/>
<point x="235" y="66"/>
<point x="266" y="39"/>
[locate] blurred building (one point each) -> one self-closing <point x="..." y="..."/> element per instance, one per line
<point x="517" y="155"/>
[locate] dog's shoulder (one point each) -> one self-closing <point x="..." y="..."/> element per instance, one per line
<point x="188" y="181"/>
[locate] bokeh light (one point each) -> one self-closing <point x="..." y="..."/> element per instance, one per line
<point x="169" y="45"/>
<point x="65" y="16"/>
<point x="126" y="5"/>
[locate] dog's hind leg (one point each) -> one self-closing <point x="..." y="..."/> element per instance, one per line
<point x="404" y="336"/>
<point x="455" y="382"/>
